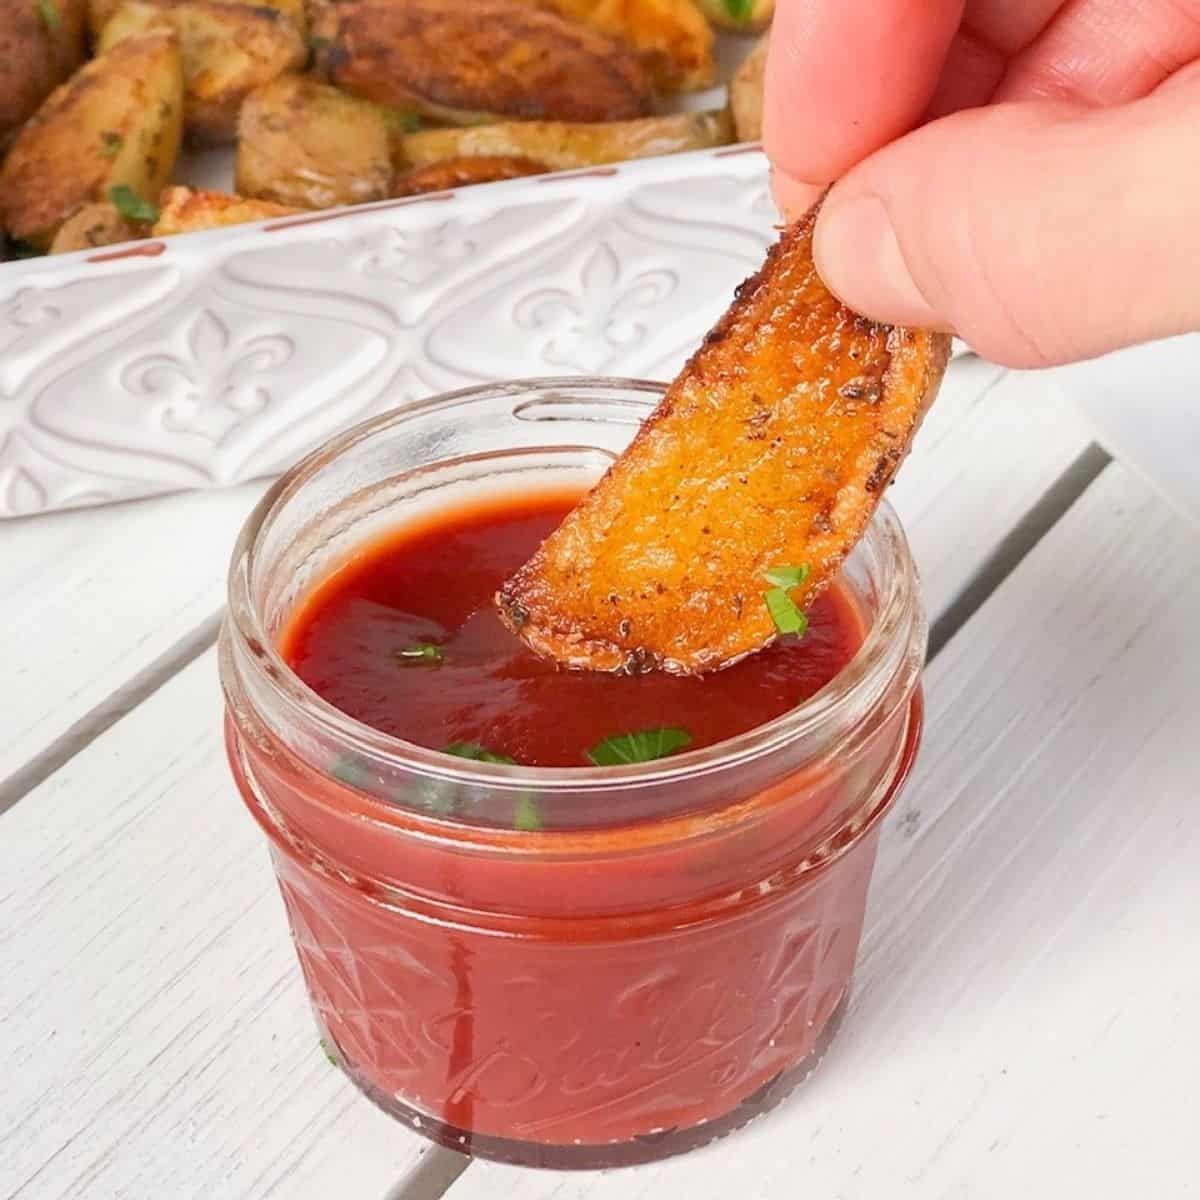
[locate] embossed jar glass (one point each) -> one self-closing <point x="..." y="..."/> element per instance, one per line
<point x="671" y="953"/>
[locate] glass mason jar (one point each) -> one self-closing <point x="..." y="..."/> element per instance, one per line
<point x="671" y="952"/>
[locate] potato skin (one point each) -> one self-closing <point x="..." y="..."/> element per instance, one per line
<point x="746" y="94"/>
<point x="96" y="225"/>
<point x="187" y="210"/>
<point x="772" y="447"/>
<point x="117" y="121"/>
<point x="34" y="58"/>
<point x="564" y="145"/>
<point x="673" y="38"/>
<point x="453" y="173"/>
<point x="307" y="145"/>
<point x="228" y="50"/>
<point x="722" y="14"/>
<point x="494" y="59"/>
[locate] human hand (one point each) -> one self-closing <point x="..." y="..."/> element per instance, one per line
<point x="1025" y="173"/>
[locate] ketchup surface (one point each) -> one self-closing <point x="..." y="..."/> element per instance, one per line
<point x="405" y="638"/>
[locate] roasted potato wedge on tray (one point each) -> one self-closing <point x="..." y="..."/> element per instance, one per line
<point x="746" y="94"/>
<point x="228" y="50"/>
<point x="96" y="225"/>
<point x="563" y="145"/>
<point x="675" y="41"/>
<point x="463" y="172"/>
<point x="307" y="145"/>
<point x="116" y="123"/>
<point x="185" y="210"/>
<point x="488" y="59"/>
<point x="40" y="45"/>
<point x="757" y="474"/>
<point x="743" y="16"/>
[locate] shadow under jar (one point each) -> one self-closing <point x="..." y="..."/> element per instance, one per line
<point x="671" y="952"/>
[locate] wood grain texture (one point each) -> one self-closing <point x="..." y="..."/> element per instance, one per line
<point x="88" y="599"/>
<point x="157" y="1038"/>
<point x="1024" y="1018"/>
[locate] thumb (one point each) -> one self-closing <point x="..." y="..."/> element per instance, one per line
<point x="1040" y="233"/>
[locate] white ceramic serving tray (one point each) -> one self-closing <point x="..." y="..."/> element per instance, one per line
<point x="212" y="358"/>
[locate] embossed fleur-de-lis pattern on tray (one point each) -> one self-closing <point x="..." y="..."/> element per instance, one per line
<point x="564" y="1042"/>
<point x="231" y="354"/>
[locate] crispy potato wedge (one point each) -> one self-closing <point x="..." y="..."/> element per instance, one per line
<point x="185" y="210"/>
<point x="40" y="46"/>
<point x="672" y="36"/>
<point x="563" y="145"/>
<point x="228" y="50"/>
<point x="771" y="449"/>
<point x="116" y="122"/>
<point x="100" y="12"/>
<point x="742" y="16"/>
<point x="746" y="94"/>
<point x="463" y="172"/>
<point x="307" y="145"/>
<point x="485" y="60"/>
<point x="96" y="225"/>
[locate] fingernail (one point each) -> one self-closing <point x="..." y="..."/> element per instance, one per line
<point x="859" y="258"/>
<point x="792" y="197"/>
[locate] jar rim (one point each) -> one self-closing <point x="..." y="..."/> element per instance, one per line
<point x="877" y="660"/>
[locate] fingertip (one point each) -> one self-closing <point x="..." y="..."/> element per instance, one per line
<point x="793" y="197"/>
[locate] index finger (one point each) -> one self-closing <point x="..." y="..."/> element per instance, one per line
<point x="845" y="77"/>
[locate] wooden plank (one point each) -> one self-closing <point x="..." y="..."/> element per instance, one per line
<point x="1025" y="1014"/>
<point x="157" y="1037"/>
<point x="90" y="600"/>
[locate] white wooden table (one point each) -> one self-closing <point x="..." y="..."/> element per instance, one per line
<point x="1026" y="1016"/>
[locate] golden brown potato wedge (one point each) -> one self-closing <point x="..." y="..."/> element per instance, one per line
<point x="228" y="50"/>
<point x="563" y="145"/>
<point x="746" y="94"/>
<point x="672" y="36"/>
<point x="307" y="145"/>
<point x="488" y="59"/>
<point x="463" y="172"/>
<point x="115" y="123"/>
<point x="742" y="16"/>
<point x="96" y="225"/>
<point x="41" y="44"/>
<point x="771" y="450"/>
<point x="185" y="210"/>
<point x="101" y="11"/>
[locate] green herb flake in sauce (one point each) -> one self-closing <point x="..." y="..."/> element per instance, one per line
<point x="740" y="10"/>
<point x="641" y="746"/>
<point x="130" y="205"/>
<point x="111" y="144"/>
<point x="477" y="753"/>
<point x="528" y="816"/>
<point x="420" y="654"/>
<point x="787" y="617"/>
<point x="400" y="120"/>
<point x="328" y="1052"/>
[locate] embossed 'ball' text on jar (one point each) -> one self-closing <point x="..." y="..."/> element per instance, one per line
<point x="672" y="952"/>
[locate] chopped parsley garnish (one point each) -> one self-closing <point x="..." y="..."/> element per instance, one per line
<point x="49" y="14"/>
<point x="352" y="770"/>
<point x="317" y="44"/>
<point x="787" y="617"/>
<point x="111" y="144"/>
<point x="788" y="577"/>
<point x="329" y="1054"/>
<point x="400" y="120"/>
<point x="527" y="816"/>
<point x="478" y="753"/>
<point x="130" y="205"/>
<point x="783" y="609"/>
<point x="641" y="746"/>
<point x="740" y="10"/>
<point x="420" y="654"/>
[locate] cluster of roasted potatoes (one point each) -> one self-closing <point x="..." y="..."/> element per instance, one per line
<point x="336" y="102"/>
